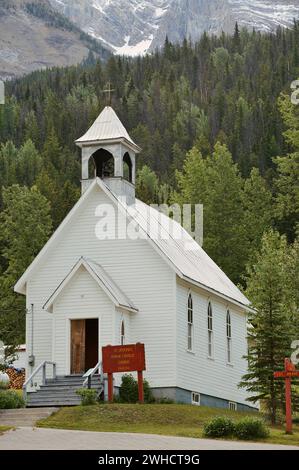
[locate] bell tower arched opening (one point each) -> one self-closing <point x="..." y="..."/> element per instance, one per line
<point x="104" y="163"/>
<point x="127" y="167"/>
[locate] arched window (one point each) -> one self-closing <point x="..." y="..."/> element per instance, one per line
<point x="190" y="323"/>
<point x="228" y="337"/>
<point x="122" y="333"/>
<point x="210" y="331"/>
<point x="128" y="167"/>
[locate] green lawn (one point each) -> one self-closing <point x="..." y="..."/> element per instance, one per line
<point x="3" y="429"/>
<point x="175" y="420"/>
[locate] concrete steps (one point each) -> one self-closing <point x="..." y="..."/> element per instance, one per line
<point x="60" y="392"/>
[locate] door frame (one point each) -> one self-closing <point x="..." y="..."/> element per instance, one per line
<point x="68" y="345"/>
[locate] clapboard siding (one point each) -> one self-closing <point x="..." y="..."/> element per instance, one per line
<point x="138" y="270"/>
<point x="195" y="371"/>
<point x="82" y="298"/>
<point x="161" y="322"/>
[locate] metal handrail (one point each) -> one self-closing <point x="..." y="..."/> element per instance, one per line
<point x="42" y="366"/>
<point x="88" y="376"/>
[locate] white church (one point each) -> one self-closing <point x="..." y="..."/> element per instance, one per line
<point x="92" y="286"/>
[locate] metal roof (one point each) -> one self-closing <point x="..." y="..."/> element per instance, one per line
<point x="101" y="277"/>
<point x="107" y="127"/>
<point x="191" y="261"/>
<point x="191" y="264"/>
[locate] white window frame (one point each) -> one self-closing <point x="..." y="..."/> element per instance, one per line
<point x="193" y="400"/>
<point x="229" y="350"/>
<point x="122" y="332"/>
<point x="190" y="322"/>
<point x="210" y="331"/>
<point x="232" y="406"/>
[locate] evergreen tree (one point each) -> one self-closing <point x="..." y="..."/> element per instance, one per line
<point x="237" y="39"/>
<point x="28" y="164"/>
<point x="269" y="334"/>
<point x="216" y="183"/>
<point x="292" y="275"/>
<point x="147" y="185"/>
<point x="31" y="128"/>
<point x="8" y="157"/>
<point x="287" y="183"/>
<point x="26" y="212"/>
<point x="52" y="152"/>
<point x="191" y="180"/>
<point x="258" y="210"/>
<point x="61" y="196"/>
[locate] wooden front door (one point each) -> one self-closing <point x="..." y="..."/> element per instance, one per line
<point x="91" y="343"/>
<point x="78" y="332"/>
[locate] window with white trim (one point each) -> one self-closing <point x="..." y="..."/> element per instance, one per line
<point x="190" y="323"/>
<point x="210" y="331"/>
<point x="122" y="333"/>
<point x="232" y="406"/>
<point x="228" y="337"/>
<point x="195" y="398"/>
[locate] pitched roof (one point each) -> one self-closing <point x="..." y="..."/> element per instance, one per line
<point x="101" y="277"/>
<point x="107" y="127"/>
<point x="192" y="265"/>
<point x="191" y="261"/>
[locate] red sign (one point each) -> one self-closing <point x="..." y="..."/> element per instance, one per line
<point x="289" y="373"/>
<point x="286" y="375"/>
<point x="125" y="358"/>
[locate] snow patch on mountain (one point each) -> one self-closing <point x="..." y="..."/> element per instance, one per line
<point x="134" y="27"/>
<point x="134" y="50"/>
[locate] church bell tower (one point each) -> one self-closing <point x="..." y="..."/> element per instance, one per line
<point x="109" y="153"/>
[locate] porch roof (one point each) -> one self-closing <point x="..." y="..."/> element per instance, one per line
<point x="98" y="273"/>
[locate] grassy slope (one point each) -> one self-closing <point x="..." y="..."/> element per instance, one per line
<point x="175" y="420"/>
<point x="3" y="429"/>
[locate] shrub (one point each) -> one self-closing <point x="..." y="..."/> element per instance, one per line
<point x="9" y="399"/>
<point x="296" y="419"/>
<point x="4" y="385"/>
<point x="251" y="428"/>
<point x="219" y="427"/>
<point x="128" y="392"/>
<point x="88" y="396"/>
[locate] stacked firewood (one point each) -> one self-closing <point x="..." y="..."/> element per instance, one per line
<point x="17" y="378"/>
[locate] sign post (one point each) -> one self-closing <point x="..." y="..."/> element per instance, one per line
<point x="110" y="387"/>
<point x="140" y="387"/>
<point x="289" y="373"/>
<point x="126" y="358"/>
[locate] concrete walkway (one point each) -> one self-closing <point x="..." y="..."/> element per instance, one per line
<point x="24" y="417"/>
<point x="54" y="439"/>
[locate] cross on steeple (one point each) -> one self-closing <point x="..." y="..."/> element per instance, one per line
<point x="109" y="91"/>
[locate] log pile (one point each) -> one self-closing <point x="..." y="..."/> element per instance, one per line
<point x="17" y="378"/>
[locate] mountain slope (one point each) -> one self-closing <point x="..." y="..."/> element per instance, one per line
<point x="136" y="26"/>
<point x="34" y="36"/>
